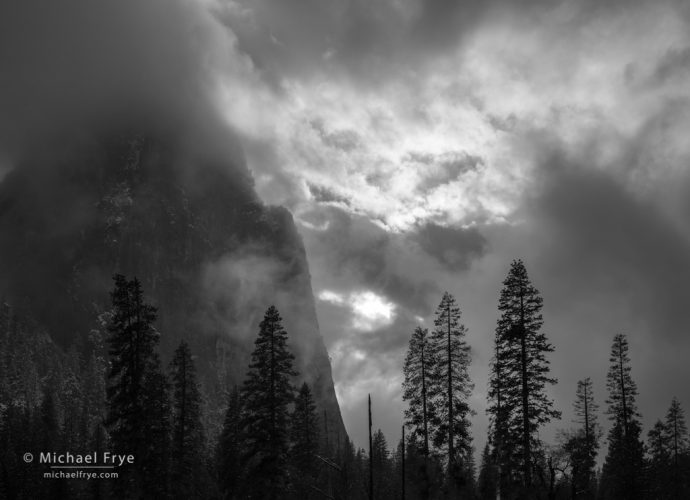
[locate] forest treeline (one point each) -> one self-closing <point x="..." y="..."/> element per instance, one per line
<point x="272" y="441"/>
<point x="516" y="463"/>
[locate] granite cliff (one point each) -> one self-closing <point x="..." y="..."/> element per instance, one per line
<point x="210" y="255"/>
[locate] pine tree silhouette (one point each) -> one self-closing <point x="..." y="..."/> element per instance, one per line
<point x="582" y="446"/>
<point x="304" y="435"/>
<point x="520" y="373"/>
<point x="138" y="416"/>
<point x="486" y="483"/>
<point x="188" y="469"/>
<point x="623" y="472"/>
<point x="677" y="437"/>
<point x="267" y="393"/>
<point x="418" y="371"/>
<point x="231" y="448"/>
<point x="451" y="388"/>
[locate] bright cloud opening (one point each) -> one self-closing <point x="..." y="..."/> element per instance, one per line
<point x="331" y="297"/>
<point x="370" y="311"/>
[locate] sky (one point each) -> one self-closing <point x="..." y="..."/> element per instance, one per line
<point x="421" y="146"/>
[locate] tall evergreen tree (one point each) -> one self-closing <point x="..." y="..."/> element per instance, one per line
<point x="137" y="392"/>
<point x="623" y="473"/>
<point x="154" y="465"/>
<point x="582" y="446"/>
<point x="231" y="448"/>
<point x="349" y="482"/>
<point x="49" y="433"/>
<point x="486" y="483"/>
<point x="469" y="474"/>
<point x="267" y="393"/>
<point x="417" y="370"/>
<point x="188" y="436"/>
<point x="659" y="464"/>
<point x="520" y="374"/>
<point x="304" y="434"/>
<point x="382" y="466"/>
<point x="676" y="434"/>
<point x="49" y="437"/>
<point x="502" y="436"/>
<point x="451" y="388"/>
<point x="622" y="389"/>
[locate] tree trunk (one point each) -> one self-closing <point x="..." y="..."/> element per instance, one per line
<point x="526" y="452"/>
<point x="424" y="414"/>
<point x="451" y="451"/>
<point x="622" y="380"/>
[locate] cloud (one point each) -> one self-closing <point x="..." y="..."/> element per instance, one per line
<point x="80" y="66"/>
<point x="369" y="311"/>
<point x="455" y="248"/>
<point x="674" y="64"/>
<point x="349" y="252"/>
<point x="606" y="239"/>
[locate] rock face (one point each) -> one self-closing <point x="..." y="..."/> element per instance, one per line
<point x="210" y="255"/>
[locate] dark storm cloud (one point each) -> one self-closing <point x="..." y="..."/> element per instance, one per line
<point x="605" y="239"/>
<point x="76" y="75"/>
<point x="322" y="194"/>
<point x="374" y="41"/>
<point x="360" y="36"/>
<point x="82" y="63"/>
<point x="455" y="248"/>
<point x="674" y="64"/>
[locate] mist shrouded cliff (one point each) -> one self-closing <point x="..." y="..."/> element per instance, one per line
<point x="210" y="255"/>
<point x="115" y="157"/>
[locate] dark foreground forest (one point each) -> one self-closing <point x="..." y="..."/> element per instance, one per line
<point x="113" y="394"/>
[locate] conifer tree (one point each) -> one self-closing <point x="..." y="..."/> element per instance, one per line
<point x="622" y="389"/>
<point x="267" y="393"/>
<point x="417" y="370"/>
<point x="486" y="482"/>
<point x="349" y="484"/>
<point x="71" y="400"/>
<point x="451" y="388"/>
<point x="304" y="434"/>
<point x="138" y="405"/>
<point x="231" y="448"/>
<point x="623" y="473"/>
<point x="50" y="438"/>
<point x="659" y="464"/>
<point x="502" y="436"/>
<point x="676" y="435"/>
<point x="469" y="474"/>
<point x="520" y="374"/>
<point x="586" y="411"/>
<point x="94" y="392"/>
<point x="582" y="446"/>
<point x="48" y="425"/>
<point x="383" y="471"/>
<point x="188" y="435"/>
<point x="154" y="464"/>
